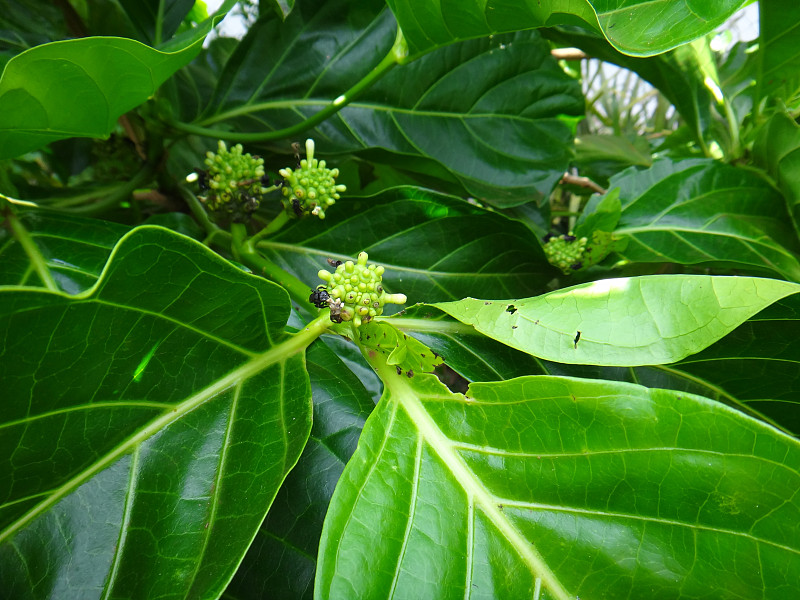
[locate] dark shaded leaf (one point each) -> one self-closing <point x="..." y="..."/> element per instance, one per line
<point x="503" y="137"/>
<point x="281" y="561"/>
<point x="433" y="246"/>
<point x="147" y="424"/>
<point x="703" y="212"/>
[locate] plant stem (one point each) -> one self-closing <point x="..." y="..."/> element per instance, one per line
<point x="246" y="252"/>
<point x="279" y="221"/>
<point x="212" y="229"/>
<point x="34" y="255"/>
<point x="396" y="55"/>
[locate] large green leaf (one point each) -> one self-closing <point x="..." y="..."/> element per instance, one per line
<point x="501" y="137"/>
<point x="753" y="369"/>
<point x="434" y="247"/>
<point x="147" y="424"/>
<point x="636" y="27"/>
<point x="703" y="212"/>
<point x="282" y="559"/>
<point x="80" y="87"/>
<point x="779" y="50"/>
<point x="556" y="488"/>
<point x="646" y="320"/>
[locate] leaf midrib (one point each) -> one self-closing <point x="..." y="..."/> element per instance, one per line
<point x="429" y="431"/>
<point x="276" y="354"/>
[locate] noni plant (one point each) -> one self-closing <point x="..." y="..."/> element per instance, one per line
<point x="540" y="342"/>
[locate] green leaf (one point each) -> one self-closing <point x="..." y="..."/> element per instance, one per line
<point x="779" y="51"/>
<point x="703" y="212"/>
<point x="282" y="559"/>
<point x="433" y="246"/>
<point x="557" y="488"/>
<point x="756" y="365"/>
<point x="156" y="20"/>
<point x="600" y="156"/>
<point x="648" y="320"/>
<point x="777" y="149"/>
<point x="636" y="27"/>
<point x="75" y="250"/>
<point x="80" y="87"/>
<point x="147" y="425"/>
<point x="504" y="137"/>
<point x="402" y="352"/>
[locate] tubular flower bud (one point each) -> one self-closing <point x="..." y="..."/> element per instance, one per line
<point x="356" y="291"/>
<point x="310" y="188"/>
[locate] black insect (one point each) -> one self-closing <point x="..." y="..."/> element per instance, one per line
<point x="548" y="237"/>
<point x="265" y="180"/>
<point x="202" y="179"/>
<point x="298" y="210"/>
<point x="568" y="238"/>
<point x="577" y="339"/>
<point x="319" y="297"/>
<point x="511" y="309"/>
<point x="410" y="373"/>
<point x="333" y="262"/>
<point x="399" y="370"/>
<point x="576" y="266"/>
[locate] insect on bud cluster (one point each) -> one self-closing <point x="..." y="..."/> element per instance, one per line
<point x="565" y="251"/>
<point x="354" y="292"/>
<point x="234" y="181"/>
<point x="311" y="187"/>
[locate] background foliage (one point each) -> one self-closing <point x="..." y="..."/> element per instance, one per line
<point x="181" y="422"/>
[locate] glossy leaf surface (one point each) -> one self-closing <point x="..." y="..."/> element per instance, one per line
<point x="418" y="111"/>
<point x="281" y="561"/>
<point x="545" y="487"/>
<point x="779" y="52"/>
<point x="696" y="212"/>
<point x="628" y="321"/>
<point x="433" y="246"/>
<point x="80" y="87"/>
<point x="138" y="417"/>
<point x="637" y="27"/>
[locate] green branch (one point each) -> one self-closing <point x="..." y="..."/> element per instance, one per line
<point x="245" y="251"/>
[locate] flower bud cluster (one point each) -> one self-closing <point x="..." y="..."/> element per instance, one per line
<point x="234" y="180"/>
<point x="312" y="187"/>
<point x="565" y="252"/>
<point x="356" y="291"/>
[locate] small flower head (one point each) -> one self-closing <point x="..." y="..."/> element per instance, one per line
<point x="312" y="187"/>
<point x="357" y="291"/>
<point x="234" y="181"/>
<point x="566" y="252"/>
